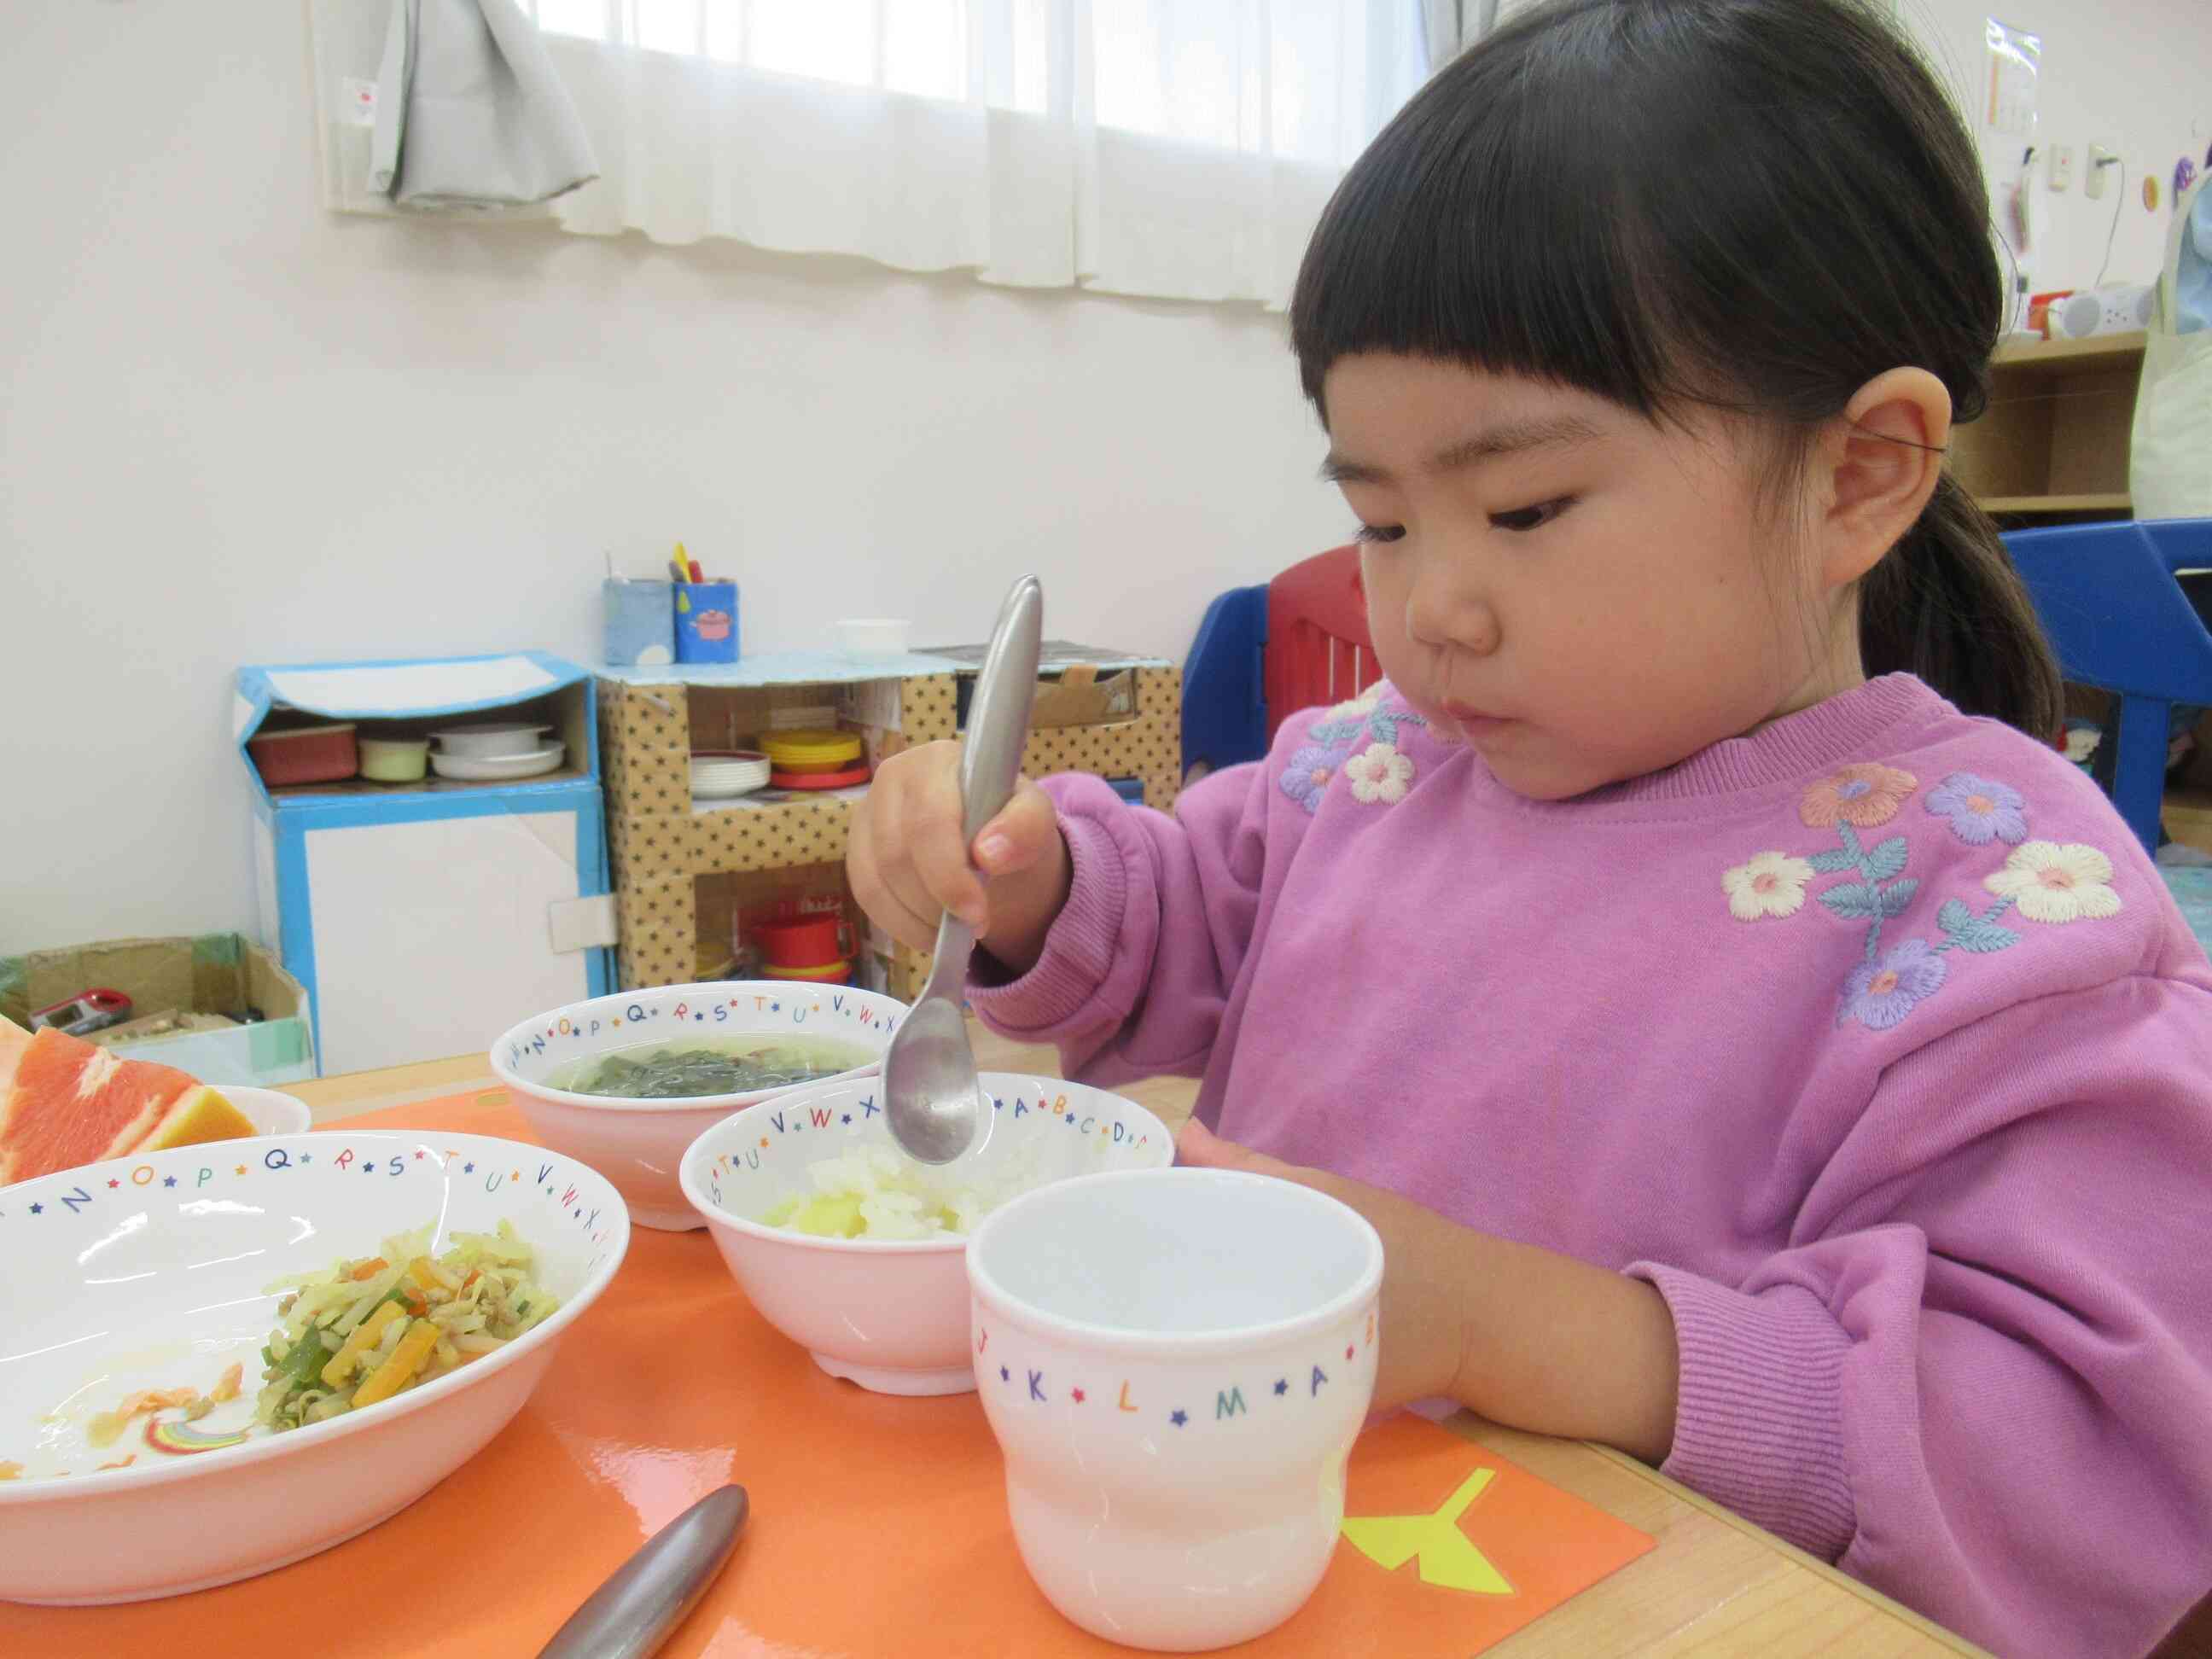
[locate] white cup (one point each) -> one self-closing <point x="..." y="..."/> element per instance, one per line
<point x="1176" y="1364"/>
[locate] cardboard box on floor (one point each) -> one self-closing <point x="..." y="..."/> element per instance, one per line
<point x="215" y="974"/>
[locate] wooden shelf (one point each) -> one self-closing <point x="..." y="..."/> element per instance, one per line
<point x="2117" y="504"/>
<point x="2052" y="445"/>
<point x="2099" y="351"/>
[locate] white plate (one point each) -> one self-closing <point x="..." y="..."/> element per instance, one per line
<point x="478" y="769"/>
<point x="490" y="741"/>
<point x="152" y="1273"/>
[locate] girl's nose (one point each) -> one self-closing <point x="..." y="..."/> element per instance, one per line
<point x="1445" y="609"/>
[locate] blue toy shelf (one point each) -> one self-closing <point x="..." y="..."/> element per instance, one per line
<point x="424" y="918"/>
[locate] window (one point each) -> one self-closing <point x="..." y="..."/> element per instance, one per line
<point x="1180" y="149"/>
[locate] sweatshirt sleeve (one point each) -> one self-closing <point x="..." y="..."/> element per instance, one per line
<point x="1980" y="1378"/>
<point x="1161" y="916"/>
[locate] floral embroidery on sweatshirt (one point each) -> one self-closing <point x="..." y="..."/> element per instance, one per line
<point x="1360" y="740"/>
<point x="1980" y="810"/>
<point x="1766" y="884"/>
<point x="1308" y="772"/>
<point x="1863" y="796"/>
<point x="2045" y="881"/>
<point x="2057" y="883"/>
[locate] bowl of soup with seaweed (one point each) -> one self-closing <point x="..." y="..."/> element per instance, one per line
<point x="625" y="1082"/>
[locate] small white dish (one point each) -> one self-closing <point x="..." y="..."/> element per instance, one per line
<point x="718" y="776"/>
<point x="891" y="1314"/>
<point x="873" y="636"/>
<point x="270" y="1111"/>
<point x="153" y="1273"/>
<point x="1176" y="1364"/>
<point x="638" y="1144"/>
<point x="491" y="741"/>
<point x="479" y="768"/>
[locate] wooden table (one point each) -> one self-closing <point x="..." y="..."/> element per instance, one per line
<point x="1715" y="1584"/>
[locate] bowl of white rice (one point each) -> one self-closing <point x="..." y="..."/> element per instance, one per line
<point x="857" y="1252"/>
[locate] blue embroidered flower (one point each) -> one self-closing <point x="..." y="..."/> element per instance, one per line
<point x="1880" y="993"/>
<point x="1980" y="810"/>
<point x="1308" y="774"/>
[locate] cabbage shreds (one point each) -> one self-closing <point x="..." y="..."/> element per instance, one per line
<point x="373" y="1327"/>
<point x="872" y="1192"/>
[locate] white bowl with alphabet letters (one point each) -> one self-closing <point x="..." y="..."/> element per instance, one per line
<point x="891" y="1314"/>
<point x="638" y="1144"/>
<point x="163" y="1271"/>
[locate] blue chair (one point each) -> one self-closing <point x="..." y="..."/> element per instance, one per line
<point x="1224" y="705"/>
<point x="2118" y="619"/>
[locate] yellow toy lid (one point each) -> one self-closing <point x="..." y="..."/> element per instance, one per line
<point x="810" y="747"/>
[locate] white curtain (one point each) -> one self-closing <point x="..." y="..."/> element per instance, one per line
<point x="1176" y="149"/>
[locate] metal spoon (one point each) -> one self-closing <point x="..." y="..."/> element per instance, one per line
<point x="931" y="1102"/>
<point x="651" y="1593"/>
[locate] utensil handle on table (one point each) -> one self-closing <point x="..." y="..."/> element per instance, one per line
<point x="651" y="1593"/>
<point x="999" y="715"/>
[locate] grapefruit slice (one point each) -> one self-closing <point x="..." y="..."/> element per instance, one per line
<point x="200" y="1114"/>
<point x="70" y="1103"/>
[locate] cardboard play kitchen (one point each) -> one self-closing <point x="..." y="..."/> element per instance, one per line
<point x="218" y="1006"/>
<point x="422" y="915"/>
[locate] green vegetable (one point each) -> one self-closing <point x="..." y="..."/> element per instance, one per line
<point x="303" y="1366"/>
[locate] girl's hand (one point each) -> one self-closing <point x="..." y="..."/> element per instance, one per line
<point x="1526" y="1337"/>
<point x="909" y="861"/>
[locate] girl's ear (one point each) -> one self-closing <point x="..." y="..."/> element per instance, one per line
<point x="1878" y="465"/>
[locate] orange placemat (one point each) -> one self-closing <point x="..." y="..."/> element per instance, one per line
<point x="879" y="1525"/>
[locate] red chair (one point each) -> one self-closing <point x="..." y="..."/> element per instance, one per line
<point x="1318" y="651"/>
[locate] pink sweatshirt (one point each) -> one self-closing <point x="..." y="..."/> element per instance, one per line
<point x="1873" y="1040"/>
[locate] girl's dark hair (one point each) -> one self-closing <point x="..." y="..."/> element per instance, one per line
<point x="1757" y="205"/>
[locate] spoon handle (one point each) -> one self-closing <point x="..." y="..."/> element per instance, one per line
<point x="999" y="715"/>
<point x="632" y="1613"/>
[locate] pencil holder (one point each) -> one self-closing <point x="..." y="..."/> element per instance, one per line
<point x="640" y="623"/>
<point x="706" y="621"/>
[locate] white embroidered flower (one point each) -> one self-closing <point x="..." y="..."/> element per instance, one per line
<point x="1379" y="773"/>
<point x="1766" y="884"/>
<point x="1359" y="708"/>
<point x="2053" y="882"/>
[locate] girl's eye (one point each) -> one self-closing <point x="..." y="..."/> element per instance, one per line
<point x="1521" y="519"/>
<point x="1379" y="532"/>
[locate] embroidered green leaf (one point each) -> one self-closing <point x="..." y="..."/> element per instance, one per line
<point x="1969" y="932"/>
<point x="1854" y="901"/>
<point x="1982" y="936"/>
<point x="1885" y="860"/>
<point x="1833" y="860"/>
<point x="1850" y="842"/>
<point x="1898" y="895"/>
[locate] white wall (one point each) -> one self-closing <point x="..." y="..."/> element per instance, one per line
<point x="2135" y="76"/>
<point x="239" y="429"/>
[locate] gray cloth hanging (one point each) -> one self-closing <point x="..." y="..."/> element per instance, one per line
<point x="469" y="115"/>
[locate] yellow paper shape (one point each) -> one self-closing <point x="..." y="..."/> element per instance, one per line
<point x="1448" y="1557"/>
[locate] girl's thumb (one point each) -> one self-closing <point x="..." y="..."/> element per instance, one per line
<point x="1019" y="837"/>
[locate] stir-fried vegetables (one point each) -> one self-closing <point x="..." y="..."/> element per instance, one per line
<point x="368" y="1330"/>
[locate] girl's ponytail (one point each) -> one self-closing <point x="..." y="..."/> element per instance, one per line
<point x="1946" y="604"/>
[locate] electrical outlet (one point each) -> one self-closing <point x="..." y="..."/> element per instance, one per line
<point x="2100" y="158"/>
<point x="2062" y="167"/>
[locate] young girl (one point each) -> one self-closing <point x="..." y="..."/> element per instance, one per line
<point x="1752" y="1058"/>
